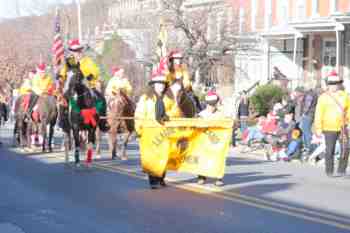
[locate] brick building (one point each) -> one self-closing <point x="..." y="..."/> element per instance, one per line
<point x="305" y="39"/>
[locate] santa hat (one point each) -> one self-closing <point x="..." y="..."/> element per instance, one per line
<point x="175" y="54"/>
<point x="116" y="71"/>
<point x="41" y="68"/>
<point x="211" y="96"/>
<point x="74" y="45"/>
<point x="333" y="78"/>
<point x="158" y="76"/>
<point x="163" y="64"/>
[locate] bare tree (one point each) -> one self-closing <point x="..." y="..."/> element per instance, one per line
<point x="205" y="44"/>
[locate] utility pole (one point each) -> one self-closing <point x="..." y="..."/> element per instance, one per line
<point x="79" y="20"/>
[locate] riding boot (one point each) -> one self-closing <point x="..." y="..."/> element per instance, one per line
<point x="32" y="102"/>
<point x="101" y="107"/>
<point x="76" y="155"/>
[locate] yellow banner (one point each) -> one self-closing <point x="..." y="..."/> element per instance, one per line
<point x="195" y="146"/>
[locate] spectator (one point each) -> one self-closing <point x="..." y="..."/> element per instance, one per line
<point x="298" y="99"/>
<point x="243" y="111"/>
<point x="307" y="117"/>
<point x="255" y="133"/>
<point x="285" y="140"/>
<point x="287" y="107"/>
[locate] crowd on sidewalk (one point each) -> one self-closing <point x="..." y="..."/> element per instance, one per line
<point x="307" y="124"/>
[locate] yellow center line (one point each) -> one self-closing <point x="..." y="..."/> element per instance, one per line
<point x="246" y="200"/>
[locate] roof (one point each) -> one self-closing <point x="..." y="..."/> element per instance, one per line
<point x="198" y="3"/>
<point x="289" y="31"/>
<point x="284" y="32"/>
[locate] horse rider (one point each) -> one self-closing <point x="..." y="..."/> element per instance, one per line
<point x="41" y="82"/>
<point x="26" y="87"/>
<point x="211" y="112"/>
<point x="118" y="83"/>
<point x="88" y="69"/>
<point x="156" y="105"/>
<point x="177" y="69"/>
<point x="178" y="74"/>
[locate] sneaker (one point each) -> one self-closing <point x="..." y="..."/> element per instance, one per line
<point x="219" y="183"/>
<point x="201" y="181"/>
<point x="274" y="157"/>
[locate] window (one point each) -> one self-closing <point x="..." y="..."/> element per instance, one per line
<point x="253" y="15"/>
<point x="241" y="19"/>
<point x="300" y="10"/>
<point x="220" y="18"/>
<point x="333" y="5"/>
<point x="315" y="7"/>
<point x="212" y="27"/>
<point x="282" y="11"/>
<point x="268" y="14"/>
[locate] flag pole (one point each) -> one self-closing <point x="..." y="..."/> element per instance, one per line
<point x="79" y="20"/>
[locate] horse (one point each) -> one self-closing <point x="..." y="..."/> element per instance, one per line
<point x="119" y="107"/>
<point x="78" y="113"/>
<point x="20" y="132"/>
<point x="3" y="113"/>
<point x="45" y="114"/>
<point x="185" y="101"/>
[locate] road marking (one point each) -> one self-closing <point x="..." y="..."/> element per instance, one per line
<point x="246" y="200"/>
<point x="297" y="212"/>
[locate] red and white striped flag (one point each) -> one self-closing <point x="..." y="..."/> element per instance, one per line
<point x="57" y="48"/>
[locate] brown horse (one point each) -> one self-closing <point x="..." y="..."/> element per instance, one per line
<point x="186" y="104"/>
<point x="45" y="114"/>
<point x="120" y="106"/>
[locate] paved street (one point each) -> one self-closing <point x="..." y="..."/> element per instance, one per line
<point x="40" y="194"/>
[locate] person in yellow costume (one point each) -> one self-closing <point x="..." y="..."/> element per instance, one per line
<point x="331" y="118"/>
<point x="26" y="87"/>
<point x="41" y="83"/>
<point x="155" y="105"/>
<point x="118" y="83"/>
<point x="178" y="70"/>
<point x="211" y="112"/>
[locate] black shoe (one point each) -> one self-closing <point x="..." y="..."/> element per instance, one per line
<point x="330" y="175"/>
<point x="153" y="186"/>
<point x="162" y="183"/>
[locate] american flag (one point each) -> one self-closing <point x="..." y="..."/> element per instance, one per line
<point x="57" y="48"/>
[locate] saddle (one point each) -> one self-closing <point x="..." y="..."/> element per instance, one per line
<point x="26" y="104"/>
<point x="125" y="99"/>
